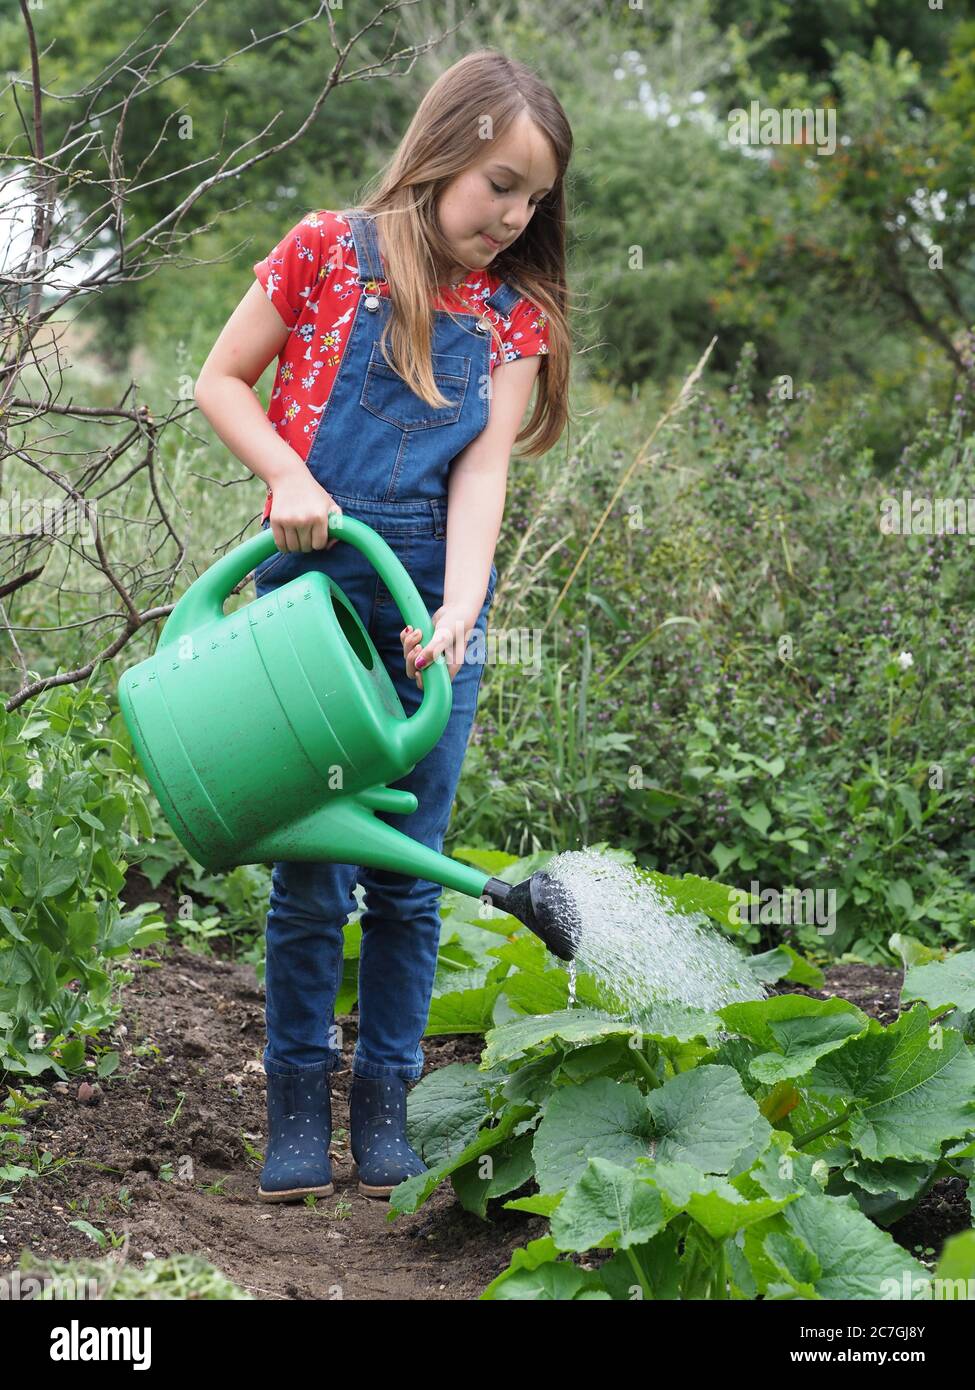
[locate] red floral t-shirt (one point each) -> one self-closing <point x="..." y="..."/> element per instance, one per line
<point x="310" y="278"/>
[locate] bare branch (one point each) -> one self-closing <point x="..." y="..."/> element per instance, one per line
<point x="92" y="529"/>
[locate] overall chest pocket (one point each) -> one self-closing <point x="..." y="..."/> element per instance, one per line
<point x="386" y="395"/>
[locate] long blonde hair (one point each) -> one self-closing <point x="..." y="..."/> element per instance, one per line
<point x="442" y="140"/>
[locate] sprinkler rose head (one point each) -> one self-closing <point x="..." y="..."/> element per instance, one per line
<point x="545" y="906"/>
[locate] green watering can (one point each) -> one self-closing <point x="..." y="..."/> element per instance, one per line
<point x="270" y="733"/>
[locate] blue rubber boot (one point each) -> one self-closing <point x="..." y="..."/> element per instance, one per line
<point x="377" y="1126"/>
<point x="299" y="1131"/>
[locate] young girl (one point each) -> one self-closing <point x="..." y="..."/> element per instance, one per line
<point x="409" y="332"/>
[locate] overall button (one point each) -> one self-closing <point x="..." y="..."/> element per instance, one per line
<point x="482" y="326"/>
<point x="372" y="302"/>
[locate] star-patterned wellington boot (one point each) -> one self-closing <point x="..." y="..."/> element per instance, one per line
<point x="299" y="1131"/>
<point x="377" y="1126"/>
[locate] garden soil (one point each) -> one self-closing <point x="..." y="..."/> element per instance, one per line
<point x="161" y="1154"/>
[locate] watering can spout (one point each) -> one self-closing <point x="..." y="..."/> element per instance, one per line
<point x="348" y="830"/>
<point x="546" y="908"/>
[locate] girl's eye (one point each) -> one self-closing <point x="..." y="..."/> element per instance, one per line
<point x="534" y="201"/>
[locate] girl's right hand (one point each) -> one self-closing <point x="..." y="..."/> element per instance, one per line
<point x="300" y="507"/>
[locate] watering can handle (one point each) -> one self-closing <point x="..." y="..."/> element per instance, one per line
<point x="203" y="602"/>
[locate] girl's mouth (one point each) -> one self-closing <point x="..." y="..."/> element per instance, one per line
<point x="490" y="241"/>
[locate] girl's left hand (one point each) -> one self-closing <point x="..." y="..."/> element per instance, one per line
<point x="450" y="634"/>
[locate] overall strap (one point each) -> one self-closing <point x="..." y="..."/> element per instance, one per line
<point x="503" y="299"/>
<point x="366" y="247"/>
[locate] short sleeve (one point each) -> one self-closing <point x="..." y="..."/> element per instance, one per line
<point x="290" y="271"/>
<point x="528" y="333"/>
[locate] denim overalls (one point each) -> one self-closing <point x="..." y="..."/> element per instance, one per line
<point x="384" y="455"/>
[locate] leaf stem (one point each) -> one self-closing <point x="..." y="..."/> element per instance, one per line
<point x="644" y="1066"/>
<point x="647" y="1292"/>
<point x="720" y="1284"/>
<point x="820" y="1130"/>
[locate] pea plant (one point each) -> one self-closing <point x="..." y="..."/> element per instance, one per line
<point x="71" y="807"/>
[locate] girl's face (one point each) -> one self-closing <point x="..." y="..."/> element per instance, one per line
<point x="490" y="204"/>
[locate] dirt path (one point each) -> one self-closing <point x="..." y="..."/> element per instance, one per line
<point x="170" y="1128"/>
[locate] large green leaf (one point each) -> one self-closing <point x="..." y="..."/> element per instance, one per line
<point x="477" y="923"/>
<point x="469" y="1009"/>
<point x="528" y="953"/>
<point x="693" y="894"/>
<point x="784" y="963"/>
<point x="413" y="1192"/>
<point x="531" y="1082"/>
<point x="801" y="1043"/>
<point x="778" y="1170"/>
<point x="610" y="1057"/>
<point x="754" y="1018"/>
<point x="568" y="1025"/>
<point x="715" y="1204"/>
<point x="775" y="1263"/>
<point x="677" y="1023"/>
<point x="943" y="982"/>
<point x="529" y="993"/>
<point x="704" y="1117"/>
<point x="494" y="1174"/>
<point x="540" y="985"/>
<point x="911" y="1087"/>
<point x="537" y="1205"/>
<point x="911" y="951"/>
<point x="599" y="1119"/>
<point x="856" y="1259"/>
<point x="797" y="1265"/>
<point x="490" y="861"/>
<point x="608" y="1204"/>
<point x="905" y="1180"/>
<point x="956" y="1267"/>
<point x="535" y="1273"/>
<point x="711" y="1200"/>
<point x="446" y="1109"/>
<point x="659" y="1268"/>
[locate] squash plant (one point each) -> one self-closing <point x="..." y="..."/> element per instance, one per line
<point x="759" y="1151"/>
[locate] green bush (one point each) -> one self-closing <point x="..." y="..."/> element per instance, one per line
<point x="755" y="679"/>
